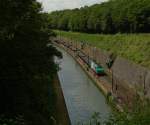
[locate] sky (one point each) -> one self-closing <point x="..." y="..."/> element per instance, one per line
<point x="52" y="5"/>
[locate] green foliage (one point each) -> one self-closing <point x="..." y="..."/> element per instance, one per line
<point x="124" y="16"/>
<point x="18" y="120"/>
<point x="94" y="120"/>
<point x="135" y="47"/>
<point x="139" y="115"/>
<point x="26" y="62"/>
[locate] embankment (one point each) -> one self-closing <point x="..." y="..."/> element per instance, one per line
<point x="125" y="78"/>
<point x="61" y="115"/>
<point x="105" y="88"/>
<point x="134" y="47"/>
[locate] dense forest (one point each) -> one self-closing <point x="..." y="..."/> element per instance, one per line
<point x="123" y="16"/>
<point x="26" y="64"/>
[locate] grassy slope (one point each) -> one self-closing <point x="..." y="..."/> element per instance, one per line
<point x="135" y="47"/>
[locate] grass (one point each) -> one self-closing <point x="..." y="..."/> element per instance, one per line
<point x="135" y="47"/>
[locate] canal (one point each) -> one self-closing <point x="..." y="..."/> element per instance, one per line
<point x="81" y="95"/>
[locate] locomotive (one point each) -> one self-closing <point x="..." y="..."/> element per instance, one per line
<point x="99" y="70"/>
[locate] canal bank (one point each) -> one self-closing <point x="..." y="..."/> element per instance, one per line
<point x="61" y="116"/>
<point x="81" y="95"/>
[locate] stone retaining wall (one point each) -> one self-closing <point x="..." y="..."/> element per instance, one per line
<point x="133" y="75"/>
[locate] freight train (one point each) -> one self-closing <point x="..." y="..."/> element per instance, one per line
<point x="99" y="70"/>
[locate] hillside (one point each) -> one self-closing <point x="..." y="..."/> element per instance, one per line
<point x="135" y="47"/>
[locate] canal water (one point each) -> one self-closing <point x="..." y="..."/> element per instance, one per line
<point x="81" y="95"/>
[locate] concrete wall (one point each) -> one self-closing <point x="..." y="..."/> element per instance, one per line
<point x="129" y="72"/>
<point x="123" y="91"/>
<point x="133" y="75"/>
<point x="147" y="84"/>
<point x="102" y="57"/>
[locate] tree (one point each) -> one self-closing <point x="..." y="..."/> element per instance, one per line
<point x="26" y="64"/>
<point x="113" y="16"/>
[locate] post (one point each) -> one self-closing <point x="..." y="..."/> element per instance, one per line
<point x="112" y="85"/>
<point x="94" y="55"/>
<point x="144" y="84"/>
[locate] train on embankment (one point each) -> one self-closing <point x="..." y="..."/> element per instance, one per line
<point x="125" y="79"/>
<point x="97" y="68"/>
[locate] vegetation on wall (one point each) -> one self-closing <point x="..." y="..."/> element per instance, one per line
<point x="124" y="16"/>
<point x="26" y="64"/>
<point x="138" y="115"/>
